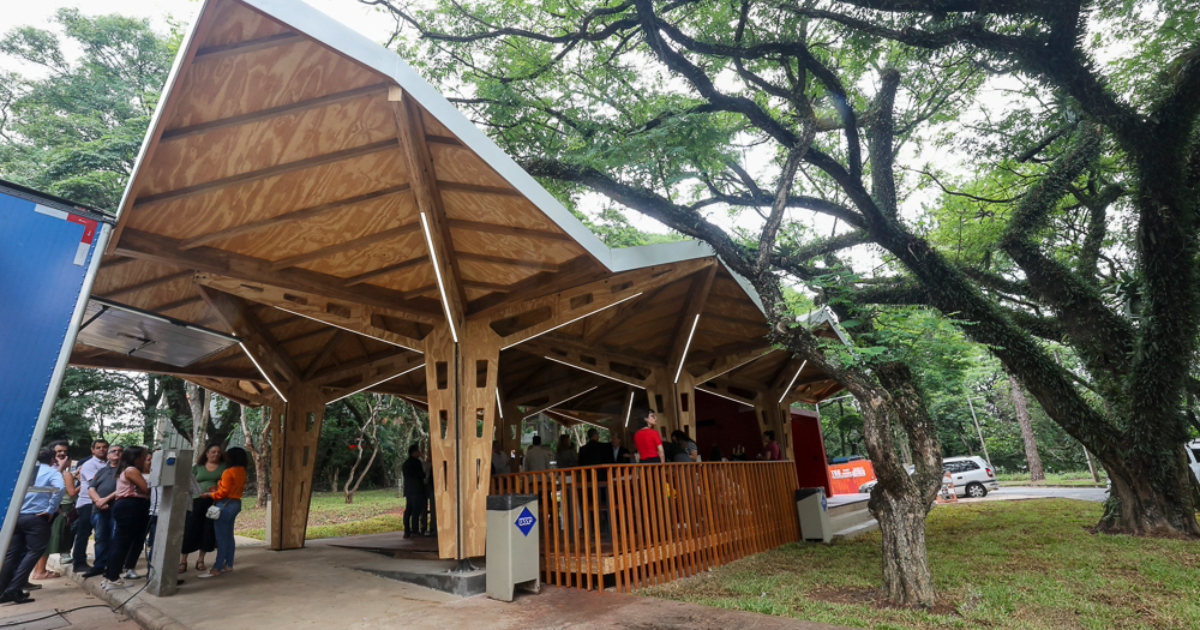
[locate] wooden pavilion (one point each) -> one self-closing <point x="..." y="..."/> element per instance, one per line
<point x="304" y="190"/>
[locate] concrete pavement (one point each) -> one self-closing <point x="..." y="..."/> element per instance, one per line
<point x="1011" y="493"/>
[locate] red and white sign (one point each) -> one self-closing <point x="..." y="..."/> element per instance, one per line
<point x="89" y="229"/>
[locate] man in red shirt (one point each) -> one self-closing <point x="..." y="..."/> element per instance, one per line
<point x="771" y="449"/>
<point x="647" y="441"/>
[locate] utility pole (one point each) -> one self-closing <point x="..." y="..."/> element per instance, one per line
<point x="980" y="432"/>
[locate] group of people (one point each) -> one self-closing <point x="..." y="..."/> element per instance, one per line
<point x="113" y="503"/>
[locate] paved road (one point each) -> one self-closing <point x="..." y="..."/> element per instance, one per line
<point x="1008" y="493"/>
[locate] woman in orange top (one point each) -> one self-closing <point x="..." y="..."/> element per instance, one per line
<point x="228" y="497"/>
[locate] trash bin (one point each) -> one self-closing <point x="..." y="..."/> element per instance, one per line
<point x="814" y="515"/>
<point x="512" y="544"/>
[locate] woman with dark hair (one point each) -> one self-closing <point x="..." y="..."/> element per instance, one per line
<point x="131" y="513"/>
<point x="228" y="497"/>
<point x="565" y="456"/>
<point x="647" y="441"/>
<point x="200" y="535"/>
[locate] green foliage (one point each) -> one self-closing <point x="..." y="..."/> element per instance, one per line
<point x="73" y="128"/>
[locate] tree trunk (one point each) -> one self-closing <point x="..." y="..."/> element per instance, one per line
<point x="199" y="400"/>
<point x="1150" y="496"/>
<point x="335" y="486"/>
<point x="1036" y="473"/>
<point x="900" y="502"/>
<point x="1091" y="466"/>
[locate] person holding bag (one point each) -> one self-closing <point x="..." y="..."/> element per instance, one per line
<point x="227" y="504"/>
<point x="200" y="535"/>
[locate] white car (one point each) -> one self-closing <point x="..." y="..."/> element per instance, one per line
<point x="972" y="477"/>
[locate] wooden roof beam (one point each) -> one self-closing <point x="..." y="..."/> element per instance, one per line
<point x="579" y="270"/>
<point x="599" y="364"/>
<point x="729" y="363"/>
<point x="228" y="390"/>
<point x="261" y="174"/>
<point x="410" y="133"/>
<point x="121" y="362"/>
<point x="384" y="271"/>
<point x="471" y="188"/>
<point x="351" y="316"/>
<point x="326" y="352"/>
<point x="153" y="282"/>
<point x="685" y="329"/>
<point x="258" y="342"/>
<point x="263" y="43"/>
<point x="273" y="112"/>
<point x="345" y="246"/>
<point x="579" y="344"/>
<point x="511" y="262"/>
<point x="559" y="395"/>
<point x="375" y="364"/>
<point x="598" y="329"/>
<point x="507" y="230"/>
<point x="736" y="347"/>
<point x="375" y="374"/>
<point x="205" y="259"/>
<point x="289" y="217"/>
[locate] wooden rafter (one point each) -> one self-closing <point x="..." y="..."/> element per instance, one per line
<point x="376" y="373"/>
<point x="574" y="272"/>
<point x="275" y="112"/>
<point x="556" y="395"/>
<point x="257" y="341"/>
<point x="345" y="246"/>
<point x="351" y="316"/>
<point x="559" y="341"/>
<point x="205" y="259"/>
<point x="599" y="365"/>
<point x="410" y="132"/>
<point x="696" y="298"/>
<point x="213" y="53"/>
<point x="507" y="230"/>
<point x="599" y="328"/>
<point x="487" y="286"/>
<point x="729" y="363"/>
<point x="229" y="390"/>
<point x="324" y="354"/>
<point x="265" y="173"/>
<point x="384" y="271"/>
<point x="736" y="347"/>
<point x="170" y="306"/>
<point x="152" y="282"/>
<point x="511" y="262"/>
<point x="289" y="217"/>
<point x="399" y="359"/>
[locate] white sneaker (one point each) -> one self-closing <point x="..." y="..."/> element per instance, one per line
<point x="130" y="575"/>
<point x="108" y="586"/>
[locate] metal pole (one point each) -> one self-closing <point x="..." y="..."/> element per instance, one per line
<point x="980" y="432"/>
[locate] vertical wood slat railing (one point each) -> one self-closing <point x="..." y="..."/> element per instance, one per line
<point x="650" y="524"/>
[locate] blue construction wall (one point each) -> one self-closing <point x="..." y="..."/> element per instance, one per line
<point x="44" y="257"/>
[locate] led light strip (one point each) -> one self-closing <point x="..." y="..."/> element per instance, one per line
<point x="262" y="371"/>
<point x="379" y="382"/>
<point x="567" y="399"/>
<point x="629" y="409"/>
<point x="687" y="346"/>
<point x="611" y="378"/>
<point x="351" y="330"/>
<point x="720" y="395"/>
<point x="499" y="407"/>
<point x="738" y="365"/>
<point x="601" y="310"/>
<point x="437" y="272"/>
<point x="796" y="376"/>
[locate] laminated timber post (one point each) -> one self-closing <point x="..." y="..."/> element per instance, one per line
<point x="683" y="384"/>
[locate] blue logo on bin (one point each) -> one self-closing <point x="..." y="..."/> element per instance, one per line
<point x="526" y="521"/>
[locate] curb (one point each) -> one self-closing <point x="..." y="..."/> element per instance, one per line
<point x="139" y="609"/>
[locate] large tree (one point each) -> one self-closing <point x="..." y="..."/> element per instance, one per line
<point x="661" y="106"/>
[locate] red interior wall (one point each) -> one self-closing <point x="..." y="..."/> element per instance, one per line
<point x="724" y="423"/>
<point x="809" y="448"/>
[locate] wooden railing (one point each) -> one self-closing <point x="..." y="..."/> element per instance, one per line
<point x="653" y="523"/>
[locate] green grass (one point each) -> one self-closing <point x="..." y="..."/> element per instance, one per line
<point x="1029" y="565"/>
<point x="373" y="512"/>
<point x="1076" y="478"/>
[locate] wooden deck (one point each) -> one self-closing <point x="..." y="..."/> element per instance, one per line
<point x="629" y="526"/>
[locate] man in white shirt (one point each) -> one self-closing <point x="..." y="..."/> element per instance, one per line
<point x="537" y="457"/>
<point x="499" y="460"/>
<point x="83" y="505"/>
<point x="32" y="533"/>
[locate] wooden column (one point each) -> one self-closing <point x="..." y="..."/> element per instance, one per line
<point x="772" y="416"/>
<point x="685" y="404"/>
<point x="660" y="392"/>
<point x="294" y="439"/>
<point x="462" y="406"/>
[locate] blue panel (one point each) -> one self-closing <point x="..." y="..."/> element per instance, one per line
<point x="40" y="284"/>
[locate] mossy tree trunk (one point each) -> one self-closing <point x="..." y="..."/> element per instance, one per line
<point x="1021" y="406"/>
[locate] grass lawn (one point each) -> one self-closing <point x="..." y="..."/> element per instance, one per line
<point x="1011" y="564"/>
<point x="1077" y="478"/>
<point x="373" y="512"/>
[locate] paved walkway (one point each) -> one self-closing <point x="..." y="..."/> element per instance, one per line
<point x="1006" y="493"/>
<point x="330" y="587"/>
<point x="61" y="594"/>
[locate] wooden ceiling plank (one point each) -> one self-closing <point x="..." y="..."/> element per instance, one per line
<point x="274" y="112"/>
<point x="729" y="363"/>
<point x="265" y="173"/>
<point x="170" y="306"/>
<point x="624" y="313"/>
<point x="345" y="246"/>
<point x="205" y="259"/>
<point x="379" y="360"/>
<point x="297" y="215"/>
<point x="228" y="390"/>
<point x="410" y="132"/>
<point x="579" y="344"/>
<point x="487" y="286"/>
<point x="153" y="282"/>
<point x="511" y="262"/>
<point x="443" y="140"/>
<point x="257" y="341"/>
<point x="507" y="230"/>
<point x="685" y="328"/>
<point x="326" y="352"/>
<point x="502" y="191"/>
<point x="213" y="53"/>
<point x="602" y="367"/>
<point x="384" y="271"/>
<point x="736" y="347"/>
<point x="350" y="316"/>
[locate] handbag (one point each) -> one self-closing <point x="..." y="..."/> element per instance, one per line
<point x="214" y="511"/>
